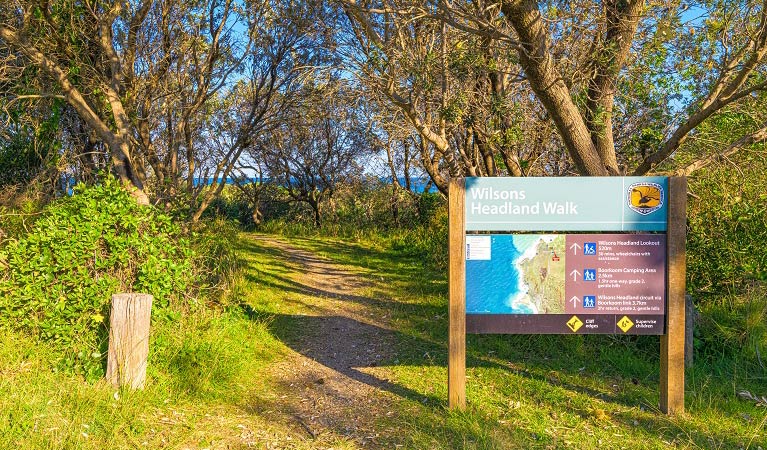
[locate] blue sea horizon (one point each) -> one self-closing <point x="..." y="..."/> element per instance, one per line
<point x="418" y="184"/>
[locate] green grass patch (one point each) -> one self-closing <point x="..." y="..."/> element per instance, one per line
<point x="211" y="378"/>
<point x="200" y="364"/>
<point x="533" y="391"/>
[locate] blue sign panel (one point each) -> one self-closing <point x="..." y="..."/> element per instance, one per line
<point x="566" y="204"/>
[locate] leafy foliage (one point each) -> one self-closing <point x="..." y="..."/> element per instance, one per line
<point x="409" y="223"/>
<point x="726" y="264"/>
<point x="216" y="263"/>
<point x="58" y="278"/>
<point x="728" y="227"/>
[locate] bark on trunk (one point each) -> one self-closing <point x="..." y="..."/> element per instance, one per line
<point x="542" y="74"/>
<point x="116" y="141"/>
<point x="611" y="50"/>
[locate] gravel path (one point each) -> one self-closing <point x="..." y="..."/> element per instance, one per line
<point x="340" y="338"/>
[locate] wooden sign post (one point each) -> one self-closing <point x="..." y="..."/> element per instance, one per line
<point x="456" y="364"/>
<point x="623" y="273"/>
<point x="672" y="343"/>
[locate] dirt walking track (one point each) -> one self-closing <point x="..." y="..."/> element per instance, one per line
<point x="332" y="385"/>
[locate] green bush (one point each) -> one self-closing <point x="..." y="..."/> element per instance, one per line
<point x="273" y="202"/>
<point x="726" y="261"/>
<point x="58" y="279"/>
<point x="427" y="241"/>
<point x="727" y="227"/>
<point x="217" y="265"/>
<point x="14" y="222"/>
<point x="734" y="326"/>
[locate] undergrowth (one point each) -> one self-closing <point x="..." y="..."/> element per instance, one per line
<point x="196" y="367"/>
<point x="59" y="274"/>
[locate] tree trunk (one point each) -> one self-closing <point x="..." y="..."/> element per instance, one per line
<point x="539" y="66"/>
<point x="314" y="202"/>
<point x="257" y="216"/>
<point x="395" y="202"/>
<point x="117" y="142"/>
<point x="613" y="47"/>
<point x="123" y="169"/>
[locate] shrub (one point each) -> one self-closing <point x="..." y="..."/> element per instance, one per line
<point x="427" y="241"/>
<point x="726" y="261"/>
<point x="734" y="326"/>
<point x="58" y="279"/>
<point x="216" y="265"/>
<point x="727" y="227"/>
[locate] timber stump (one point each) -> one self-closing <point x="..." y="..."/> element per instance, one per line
<point x="129" y="340"/>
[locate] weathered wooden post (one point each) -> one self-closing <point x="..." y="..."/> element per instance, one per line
<point x="689" y="330"/>
<point x="672" y="343"/>
<point x="129" y="340"/>
<point x="456" y="359"/>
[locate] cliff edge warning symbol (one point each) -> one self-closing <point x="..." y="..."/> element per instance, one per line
<point x="575" y="323"/>
<point x="625" y="324"/>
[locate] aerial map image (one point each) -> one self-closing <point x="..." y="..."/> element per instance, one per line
<point x="530" y="279"/>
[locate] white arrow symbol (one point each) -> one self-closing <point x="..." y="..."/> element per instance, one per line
<point x="575" y="301"/>
<point x="575" y="274"/>
<point x="575" y="248"/>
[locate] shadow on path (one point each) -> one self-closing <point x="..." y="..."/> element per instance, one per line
<point x="331" y="333"/>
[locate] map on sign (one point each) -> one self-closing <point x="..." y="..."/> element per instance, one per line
<point x="530" y="278"/>
<point x="584" y="283"/>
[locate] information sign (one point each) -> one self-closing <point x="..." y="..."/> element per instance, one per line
<point x="600" y="255"/>
<point x="566" y="204"/>
<point x="536" y="283"/>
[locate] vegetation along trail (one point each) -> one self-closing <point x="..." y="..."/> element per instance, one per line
<point x="341" y="343"/>
<point x="363" y="329"/>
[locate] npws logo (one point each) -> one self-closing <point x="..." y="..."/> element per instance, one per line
<point x="645" y="198"/>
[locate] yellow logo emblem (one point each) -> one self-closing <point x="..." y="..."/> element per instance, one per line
<point x="645" y="198"/>
<point x="625" y="324"/>
<point x="574" y="323"/>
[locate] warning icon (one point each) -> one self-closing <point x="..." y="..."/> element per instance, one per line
<point x="625" y="324"/>
<point x="575" y="323"/>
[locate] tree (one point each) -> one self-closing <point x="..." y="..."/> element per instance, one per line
<point x="75" y="45"/>
<point x="460" y="93"/>
<point x="624" y="83"/>
<point x="41" y="136"/>
<point x="319" y="144"/>
<point x="175" y="90"/>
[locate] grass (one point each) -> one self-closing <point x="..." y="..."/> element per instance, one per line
<point x="547" y="391"/>
<point x="196" y="372"/>
<point x="212" y="378"/>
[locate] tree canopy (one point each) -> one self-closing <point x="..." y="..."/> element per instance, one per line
<point x="621" y="85"/>
<point x="166" y="93"/>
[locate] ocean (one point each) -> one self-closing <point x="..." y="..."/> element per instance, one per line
<point x="418" y="184"/>
<point x="492" y="286"/>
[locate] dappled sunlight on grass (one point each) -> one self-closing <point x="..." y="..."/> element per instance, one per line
<point x="306" y="354"/>
<point x="546" y="391"/>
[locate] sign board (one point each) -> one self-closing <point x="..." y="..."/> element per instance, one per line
<point x="590" y="255"/>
